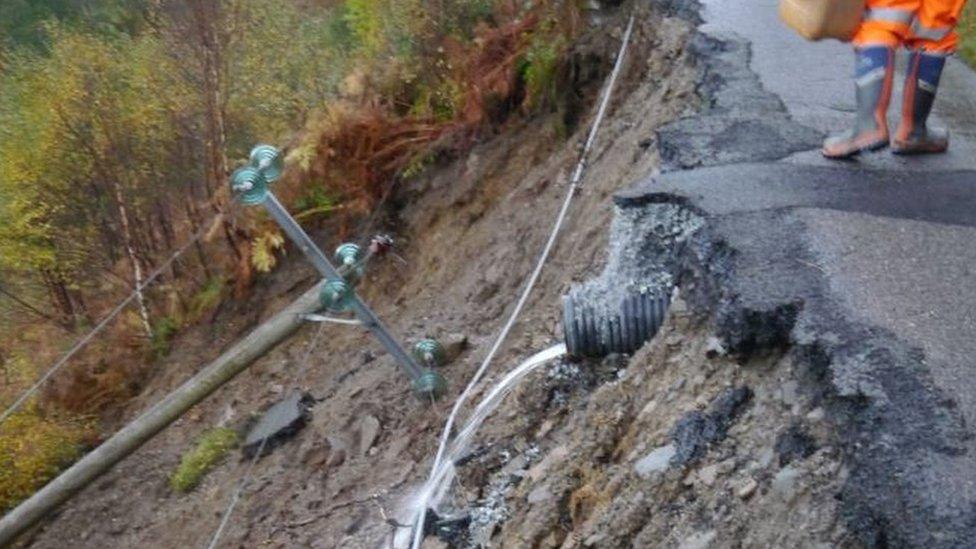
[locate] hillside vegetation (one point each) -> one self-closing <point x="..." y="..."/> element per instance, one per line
<point x="967" y="30"/>
<point x="121" y="119"/>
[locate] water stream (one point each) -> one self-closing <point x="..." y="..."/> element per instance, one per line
<point x="433" y="492"/>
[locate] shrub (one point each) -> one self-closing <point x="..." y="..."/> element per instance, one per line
<point x="540" y="69"/>
<point x="967" y="31"/>
<point x="208" y="450"/>
<point x="33" y="450"/>
<point x="470" y="64"/>
<point x="207" y="298"/>
<point x="163" y="331"/>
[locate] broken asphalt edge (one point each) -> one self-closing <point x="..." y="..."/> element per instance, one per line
<point x="748" y="271"/>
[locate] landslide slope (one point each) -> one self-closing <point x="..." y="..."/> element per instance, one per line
<point x="469" y="232"/>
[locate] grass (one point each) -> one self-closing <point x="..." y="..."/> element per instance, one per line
<point x="163" y="331"/>
<point x="967" y="33"/>
<point x="208" y="450"/>
<point x="204" y="301"/>
<point x="207" y="299"/>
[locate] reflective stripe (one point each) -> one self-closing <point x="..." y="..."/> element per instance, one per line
<point x="890" y="15"/>
<point x="871" y="77"/>
<point x="927" y="86"/>
<point x="937" y="53"/>
<point x="929" y="33"/>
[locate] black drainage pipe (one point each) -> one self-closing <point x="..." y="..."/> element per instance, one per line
<point x="591" y="334"/>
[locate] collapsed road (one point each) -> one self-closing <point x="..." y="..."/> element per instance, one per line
<point x="865" y="268"/>
<point x="827" y="398"/>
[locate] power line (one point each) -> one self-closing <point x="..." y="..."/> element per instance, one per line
<point x="418" y="525"/>
<point x="246" y="477"/>
<point x="13" y="297"/>
<point x="81" y="343"/>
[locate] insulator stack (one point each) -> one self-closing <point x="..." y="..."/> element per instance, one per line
<point x="268" y="160"/>
<point x="336" y="296"/>
<point x="249" y="185"/>
<point x="430" y="353"/>
<point x="350" y="259"/>
<point x="429" y="386"/>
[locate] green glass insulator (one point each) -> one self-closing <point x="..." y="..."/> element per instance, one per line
<point x="336" y="296"/>
<point x="429" y="352"/>
<point x="348" y="254"/>
<point x="429" y="386"/>
<point x="350" y="259"/>
<point x="268" y="160"/>
<point x="249" y="185"/>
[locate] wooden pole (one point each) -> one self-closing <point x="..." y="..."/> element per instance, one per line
<point x="157" y="418"/>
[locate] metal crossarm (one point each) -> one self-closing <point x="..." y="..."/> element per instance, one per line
<point x="369" y="319"/>
<point x="250" y="184"/>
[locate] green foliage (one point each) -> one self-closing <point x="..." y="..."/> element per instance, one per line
<point x="90" y="111"/>
<point x="418" y="165"/>
<point x="23" y="21"/>
<point x="34" y="448"/>
<point x="207" y="451"/>
<point x="967" y="32"/>
<point x="441" y="99"/>
<point x="207" y="298"/>
<point x="315" y="201"/>
<point x="164" y="329"/>
<point x="540" y="68"/>
<point x="364" y="19"/>
<point x="272" y="84"/>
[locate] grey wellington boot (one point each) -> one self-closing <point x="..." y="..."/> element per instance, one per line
<point x="914" y="136"/>
<point x="874" y="76"/>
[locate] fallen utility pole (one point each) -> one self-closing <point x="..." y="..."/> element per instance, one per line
<point x="132" y="436"/>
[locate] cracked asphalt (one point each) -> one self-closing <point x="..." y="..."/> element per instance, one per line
<point x="869" y="263"/>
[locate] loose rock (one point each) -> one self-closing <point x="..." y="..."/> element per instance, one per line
<point x="746" y="489"/>
<point x="369" y="429"/>
<point x="656" y="461"/>
<point x="784" y="483"/>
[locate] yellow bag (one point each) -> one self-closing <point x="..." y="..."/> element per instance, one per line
<point x="819" y="19"/>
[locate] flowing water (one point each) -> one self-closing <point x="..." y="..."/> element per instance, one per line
<point x="432" y="493"/>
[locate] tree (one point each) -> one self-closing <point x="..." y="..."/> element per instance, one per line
<point x="79" y="178"/>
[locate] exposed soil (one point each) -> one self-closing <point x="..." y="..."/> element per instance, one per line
<point x="683" y="447"/>
<point x="470" y="232"/>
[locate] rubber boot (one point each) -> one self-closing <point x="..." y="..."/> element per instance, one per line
<point x="921" y="82"/>
<point x="874" y="76"/>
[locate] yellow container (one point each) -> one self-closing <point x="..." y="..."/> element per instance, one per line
<point x="819" y="19"/>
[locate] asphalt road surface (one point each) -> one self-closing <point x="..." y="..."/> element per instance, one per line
<point x="869" y="265"/>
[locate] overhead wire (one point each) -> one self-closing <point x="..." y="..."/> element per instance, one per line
<point x="418" y="525"/>
<point x="322" y="321"/>
<point x="245" y="479"/>
<point x="104" y="322"/>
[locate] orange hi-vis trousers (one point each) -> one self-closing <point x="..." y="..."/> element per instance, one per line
<point x="927" y="25"/>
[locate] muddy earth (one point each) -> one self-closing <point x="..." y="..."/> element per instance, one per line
<point x="733" y="427"/>
<point x="470" y="232"/>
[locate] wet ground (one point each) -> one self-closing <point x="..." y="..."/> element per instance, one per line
<point x="809" y="387"/>
<point x="872" y="258"/>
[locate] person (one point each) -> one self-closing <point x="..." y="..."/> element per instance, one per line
<point x="927" y="29"/>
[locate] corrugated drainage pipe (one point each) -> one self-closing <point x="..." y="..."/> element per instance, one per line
<point x="592" y="334"/>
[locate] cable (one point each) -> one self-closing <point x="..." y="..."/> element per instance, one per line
<point x="246" y="477"/>
<point x="81" y="343"/>
<point x="237" y="495"/>
<point x="418" y="526"/>
<point x="300" y="374"/>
